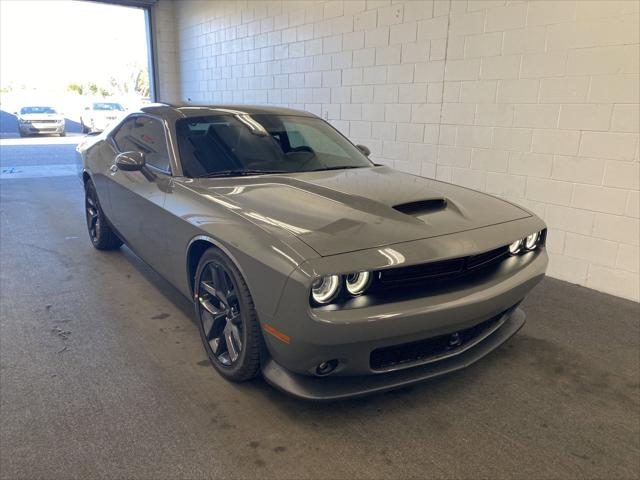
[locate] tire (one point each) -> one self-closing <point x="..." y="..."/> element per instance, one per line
<point x="22" y="134"/>
<point x="63" y="134"/>
<point x="218" y="314"/>
<point x="100" y="233"/>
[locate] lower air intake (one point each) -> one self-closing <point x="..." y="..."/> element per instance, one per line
<point x="430" y="349"/>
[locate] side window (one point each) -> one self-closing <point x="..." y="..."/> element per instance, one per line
<point x="146" y="135"/>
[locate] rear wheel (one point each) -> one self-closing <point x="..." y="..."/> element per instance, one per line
<point x="227" y="318"/>
<point x="101" y="235"/>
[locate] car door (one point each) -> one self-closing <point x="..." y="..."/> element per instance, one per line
<point x="137" y="198"/>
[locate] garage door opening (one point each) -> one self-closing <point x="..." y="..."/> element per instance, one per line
<point x="67" y="68"/>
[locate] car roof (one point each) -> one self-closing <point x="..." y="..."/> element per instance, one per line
<point x="190" y="110"/>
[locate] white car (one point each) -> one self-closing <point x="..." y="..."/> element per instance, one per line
<point x="34" y="120"/>
<point x="99" y="115"/>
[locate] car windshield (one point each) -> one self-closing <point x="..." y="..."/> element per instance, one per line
<point x="238" y="143"/>
<point x="108" y="106"/>
<point x="29" y="110"/>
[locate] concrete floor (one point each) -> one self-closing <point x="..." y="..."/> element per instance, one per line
<point x="103" y="375"/>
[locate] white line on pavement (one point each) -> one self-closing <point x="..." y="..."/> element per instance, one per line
<point x="38" y="171"/>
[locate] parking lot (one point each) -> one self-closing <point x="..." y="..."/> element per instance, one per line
<point x="103" y="374"/>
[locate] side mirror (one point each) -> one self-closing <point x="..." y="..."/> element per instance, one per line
<point x="130" y="161"/>
<point x="364" y="149"/>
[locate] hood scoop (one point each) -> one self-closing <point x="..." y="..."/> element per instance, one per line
<point x="421" y="207"/>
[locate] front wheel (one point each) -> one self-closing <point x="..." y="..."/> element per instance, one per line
<point x="101" y="235"/>
<point x="227" y="318"/>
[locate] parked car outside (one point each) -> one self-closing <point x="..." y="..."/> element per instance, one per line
<point x="305" y="261"/>
<point x="99" y="115"/>
<point x="38" y="119"/>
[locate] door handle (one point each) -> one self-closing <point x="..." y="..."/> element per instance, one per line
<point x="113" y="168"/>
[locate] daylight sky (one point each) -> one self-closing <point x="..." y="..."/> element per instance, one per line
<point x="48" y="44"/>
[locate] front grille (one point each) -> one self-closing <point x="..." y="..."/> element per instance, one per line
<point x="44" y="121"/>
<point x="430" y="349"/>
<point x="422" y="271"/>
<point x="486" y="258"/>
<point x="442" y="269"/>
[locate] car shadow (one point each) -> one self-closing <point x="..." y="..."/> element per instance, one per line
<point x="8" y="123"/>
<point x="71" y="126"/>
<point x="170" y="292"/>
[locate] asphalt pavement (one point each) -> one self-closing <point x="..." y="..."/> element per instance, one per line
<point x="102" y="375"/>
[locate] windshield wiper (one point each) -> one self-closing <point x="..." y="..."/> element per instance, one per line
<point x="335" y="168"/>
<point x="240" y="173"/>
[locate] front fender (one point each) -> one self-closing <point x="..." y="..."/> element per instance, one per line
<point x="264" y="259"/>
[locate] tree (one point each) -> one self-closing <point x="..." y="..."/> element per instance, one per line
<point x="75" y="87"/>
<point x="133" y="79"/>
<point x="142" y="82"/>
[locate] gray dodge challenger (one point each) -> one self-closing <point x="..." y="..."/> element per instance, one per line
<point x="330" y="275"/>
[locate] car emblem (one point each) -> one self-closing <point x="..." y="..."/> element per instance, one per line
<point x="455" y="340"/>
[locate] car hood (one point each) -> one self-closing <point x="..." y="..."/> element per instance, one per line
<point x="347" y="210"/>
<point x="41" y="116"/>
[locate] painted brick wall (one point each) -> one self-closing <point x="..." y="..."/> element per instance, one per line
<point x="535" y="101"/>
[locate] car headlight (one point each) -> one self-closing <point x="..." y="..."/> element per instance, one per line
<point x="531" y="242"/>
<point x="324" y="289"/>
<point x="357" y="282"/>
<point x="515" y="247"/>
<point x="527" y="244"/>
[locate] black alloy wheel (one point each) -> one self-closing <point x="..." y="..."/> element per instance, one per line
<point x="101" y="235"/>
<point x="227" y="319"/>
<point x="93" y="218"/>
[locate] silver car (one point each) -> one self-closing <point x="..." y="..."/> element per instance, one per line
<point x="328" y="274"/>
<point x="40" y="119"/>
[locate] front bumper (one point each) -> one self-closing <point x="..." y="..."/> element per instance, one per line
<point x="340" y="387"/>
<point x="100" y="124"/>
<point x="354" y="336"/>
<point x="41" y="128"/>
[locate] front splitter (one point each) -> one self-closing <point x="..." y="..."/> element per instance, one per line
<point x="308" y="387"/>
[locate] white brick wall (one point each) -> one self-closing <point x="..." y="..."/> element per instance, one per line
<point x="166" y="48"/>
<point x="535" y="101"/>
